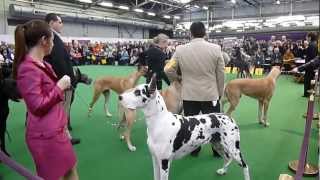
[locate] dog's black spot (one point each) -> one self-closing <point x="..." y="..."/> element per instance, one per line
<point x="170" y="141"/>
<point x="243" y="164"/>
<point x="238" y="144"/>
<point x="227" y="155"/>
<point x="137" y="92"/>
<point x="161" y="108"/>
<point x="200" y="136"/>
<point x="214" y="121"/>
<point x="184" y="134"/>
<point x="144" y="100"/>
<point x="164" y="164"/>
<point x="173" y="124"/>
<point x="236" y="127"/>
<point x="224" y="133"/>
<point x="216" y="137"/>
<point x="203" y="121"/>
<point x="144" y="92"/>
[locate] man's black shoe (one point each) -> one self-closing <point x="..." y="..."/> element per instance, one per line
<point x="75" y="141"/>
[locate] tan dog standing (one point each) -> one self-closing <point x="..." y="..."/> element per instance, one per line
<point x="260" y="89"/>
<point x="103" y="85"/>
<point x="172" y="97"/>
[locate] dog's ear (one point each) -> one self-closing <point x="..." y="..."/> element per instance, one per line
<point x="153" y="84"/>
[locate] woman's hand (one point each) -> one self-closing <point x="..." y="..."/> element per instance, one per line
<point x="64" y="83"/>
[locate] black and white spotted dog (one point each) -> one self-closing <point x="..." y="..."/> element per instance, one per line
<point x="173" y="136"/>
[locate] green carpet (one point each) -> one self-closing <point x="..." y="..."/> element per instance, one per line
<point x="101" y="154"/>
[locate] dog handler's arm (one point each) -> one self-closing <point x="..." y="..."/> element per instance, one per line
<point x="171" y="68"/>
<point x="220" y="73"/>
<point x="37" y="101"/>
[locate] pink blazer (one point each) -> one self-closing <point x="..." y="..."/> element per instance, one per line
<point x="44" y="99"/>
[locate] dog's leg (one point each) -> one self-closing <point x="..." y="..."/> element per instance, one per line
<point x="129" y="117"/>
<point x="106" y="94"/>
<point x="227" y="159"/>
<point x="164" y="165"/>
<point x="96" y="95"/>
<point x="156" y="168"/>
<point x="260" y="112"/>
<point x="231" y="148"/>
<point x="265" y="112"/>
<point x="234" y="101"/>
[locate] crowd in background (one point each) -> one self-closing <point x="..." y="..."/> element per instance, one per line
<point x="276" y="51"/>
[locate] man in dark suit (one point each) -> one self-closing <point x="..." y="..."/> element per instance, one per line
<point x="311" y="53"/>
<point x="61" y="63"/>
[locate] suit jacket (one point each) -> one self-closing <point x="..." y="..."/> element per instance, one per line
<point x="311" y="51"/>
<point x="202" y="69"/>
<point x="43" y="98"/>
<point x="155" y="58"/>
<point x="60" y="60"/>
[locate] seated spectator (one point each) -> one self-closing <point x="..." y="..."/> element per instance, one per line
<point x="288" y="60"/>
<point x="276" y="58"/>
<point x="124" y="57"/>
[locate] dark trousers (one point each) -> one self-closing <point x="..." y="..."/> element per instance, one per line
<point x="159" y="76"/>
<point x="4" y="112"/>
<point x="195" y="107"/>
<point x="307" y="82"/>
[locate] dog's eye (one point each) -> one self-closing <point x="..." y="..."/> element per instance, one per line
<point x="137" y="92"/>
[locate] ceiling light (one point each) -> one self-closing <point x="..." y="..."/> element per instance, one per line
<point x="278" y="2"/>
<point x="218" y="31"/>
<point x="151" y="14"/>
<point x="196" y="6"/>
<point x="205" y="7"/>
<point x="85" y="1"/>
<point x="124" y="7"/>
<point x="106" y="4"/>
<point x="233" y="1"/>
<point x="176" y="17"/>
<point x="138" y="10"/>
<point x="166" y="16"/>
<point x="184" y="1"/>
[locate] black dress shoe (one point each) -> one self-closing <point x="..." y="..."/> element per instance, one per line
<point x="75" y="141"/>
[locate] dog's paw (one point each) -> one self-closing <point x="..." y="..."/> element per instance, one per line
<point x="266" y="124"/>
<point x="108" y="114"/>
<point x="121" y="137"/>
<point x="132" y="148"/>
<point x="221" y="171"/>
<point x="261" y="122"/>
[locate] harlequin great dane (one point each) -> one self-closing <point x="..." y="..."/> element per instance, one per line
<point x="173" y="136"/>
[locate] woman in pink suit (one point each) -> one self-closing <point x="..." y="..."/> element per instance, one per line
<point x="42" y="92"/>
